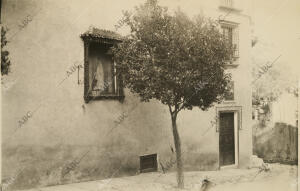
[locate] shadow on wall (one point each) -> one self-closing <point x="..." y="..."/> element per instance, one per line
<point x="198" y="160"/>
<point x="61" y="164"/>
<point x="45" y="166"/>
<point x="279" y="144"/>
<point x="201" y="161"/>
<point x="193" y="161"/>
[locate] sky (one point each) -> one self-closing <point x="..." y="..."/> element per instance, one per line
<point x="277" y="28"/>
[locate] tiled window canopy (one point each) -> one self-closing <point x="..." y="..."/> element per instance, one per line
<point x="99" y="66"/>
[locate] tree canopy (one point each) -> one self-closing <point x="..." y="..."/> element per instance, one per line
<point x="173" y="58"/>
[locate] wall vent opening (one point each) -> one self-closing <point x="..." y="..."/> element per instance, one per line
<point x="148" y="163"/>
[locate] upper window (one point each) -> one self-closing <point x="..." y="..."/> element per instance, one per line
<point x="227" y="3"/>
<point x="231" y="6"/>
<point x="99" y="79"/>
<point x="230" y="32"/>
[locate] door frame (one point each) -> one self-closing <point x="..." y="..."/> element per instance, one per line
<point x="237" y="111"/>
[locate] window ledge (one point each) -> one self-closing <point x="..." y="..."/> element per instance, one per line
<point x="229" y="65"/>
<point x="229" y="102"/>
<point x="224" y="7"/>
<point x="233" y="63"/>
<point x="105" y="97"/>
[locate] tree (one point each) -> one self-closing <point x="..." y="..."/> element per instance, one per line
<point x="270" y="74"/>
<point x="174" y="59"/>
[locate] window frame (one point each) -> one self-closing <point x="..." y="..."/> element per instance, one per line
<point x="235" y="36"/>
<point x="233" y="5"/>
<point x="118" y="87"/>
<point x="227" y="3"/>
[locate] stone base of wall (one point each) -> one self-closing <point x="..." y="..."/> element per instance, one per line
<point x="33" y="166"/>
<point x="38" y="166"/>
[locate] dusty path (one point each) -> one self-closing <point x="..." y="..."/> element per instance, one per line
<point x="279" y="178"/>
<point x="283" y="180"/>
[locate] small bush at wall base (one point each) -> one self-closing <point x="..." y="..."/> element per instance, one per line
<point x="5" y="62"/>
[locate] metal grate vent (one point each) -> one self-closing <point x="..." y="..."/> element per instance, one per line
<point x="148" y="163"/>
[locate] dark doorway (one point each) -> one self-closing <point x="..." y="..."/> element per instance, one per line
<point x="148" y="163"/>
<point x="226" y="139"/>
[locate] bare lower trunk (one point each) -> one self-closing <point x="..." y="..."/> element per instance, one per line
<point x="180" y="176"/>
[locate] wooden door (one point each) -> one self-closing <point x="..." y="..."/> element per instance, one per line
<point x="226" y="139"/>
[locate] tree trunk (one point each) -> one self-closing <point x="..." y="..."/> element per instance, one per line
<point x="180" y="176"/>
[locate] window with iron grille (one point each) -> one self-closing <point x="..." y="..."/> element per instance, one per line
<point x="230" y="32"/>
<point x="227" y="3"/>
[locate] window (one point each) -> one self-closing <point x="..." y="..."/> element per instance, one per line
<point x="101" y="71"/>
<point x="229" y="96"/>
<point x="230" y="32"/>
<point x="148" y="163"/>
<point x="231" y="6"/>
<point x="99" y="67"/>
<point x="227" y="3"/>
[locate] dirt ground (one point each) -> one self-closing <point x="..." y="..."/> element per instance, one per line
<point x="278" y="178"/>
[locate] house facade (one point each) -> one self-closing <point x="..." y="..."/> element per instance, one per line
<point x="67" y="118"/>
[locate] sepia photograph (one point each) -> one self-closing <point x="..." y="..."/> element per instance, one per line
<point x="149" y="95"/>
